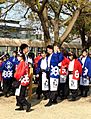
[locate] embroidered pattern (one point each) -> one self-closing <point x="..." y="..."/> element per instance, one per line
<point x="54" y="71"/>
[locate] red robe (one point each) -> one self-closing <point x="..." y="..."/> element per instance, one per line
<point x="64" y="66"/>
<point x="36" y="60"/>
<point x="77" y="71"/>
<point x="22" y="71"/>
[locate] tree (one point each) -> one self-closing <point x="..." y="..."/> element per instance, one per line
<point x="82" y="26"/>
<point x="43" y="8"/>
<point x="74" y="8"/>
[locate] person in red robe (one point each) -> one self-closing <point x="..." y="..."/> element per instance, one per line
<point x="63" y="86"/>
<point x="22" y="76"/>
<point x="74" y="73"/>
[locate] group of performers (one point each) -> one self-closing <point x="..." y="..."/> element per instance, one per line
<point x="59" y="74"/>
<point x="63" y="74"/>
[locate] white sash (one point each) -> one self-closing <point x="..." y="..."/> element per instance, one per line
<point x="54" y="84"/>
<point x="45" y="85"/>
<point x="17" y="92"/>
<point x="84" y="81"/>
<point x="73" y="84"/>
<point x="63" y="78"/>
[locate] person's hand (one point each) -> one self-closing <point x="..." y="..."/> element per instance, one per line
<point x="37" y="75"/>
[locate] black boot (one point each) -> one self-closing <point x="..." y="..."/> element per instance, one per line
<point x="54" y="101"/>
<point x="49" y="103"/>
<point x="28" y="108"/>
<point x="38" y="97"/>
<point x="45" y="98"/>
<point x="19" y="109"/>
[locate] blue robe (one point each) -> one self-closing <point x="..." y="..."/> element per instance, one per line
<point x="55" y="60"/>
<point x="14" y="60"/>
<point x="87" y="68"/>
<point x="7" y="69"/>
<point x="38" y="69"/>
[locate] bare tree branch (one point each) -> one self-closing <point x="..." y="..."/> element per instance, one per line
<point x="26" y="12"/>
<point x="43" y="5"/>
<point x="9" y="9"/>
<point x="69" y="14"/>
<point x="9" y="21"/>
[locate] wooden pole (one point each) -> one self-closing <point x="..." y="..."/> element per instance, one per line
<point x="30" y="85"/>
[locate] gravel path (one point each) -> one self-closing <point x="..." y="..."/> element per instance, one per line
<point x="80" y="109"/>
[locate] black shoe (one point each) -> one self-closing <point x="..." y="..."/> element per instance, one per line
<point x="19" y="109"/>
<point x="48" y="104"/>
<point x="72" y="99"/>
<point x="84" y="95"/>
<point x="54" y="101"/>
<point x="7" y="95"/>
<point x="28" y="108"/>
<point x="38" y="97"/>
<point x="45" y="98"/>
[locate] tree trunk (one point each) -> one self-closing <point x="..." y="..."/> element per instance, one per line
<point x="70" y="26"/>
<point x="44" y="22"/>
<point x="82" y="33"/>
<point x="56" y="28"/>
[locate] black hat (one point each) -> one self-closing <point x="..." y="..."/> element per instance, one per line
<point x="23" y="46"/>
<point x="50" y="47"/>
<point x="84" y="50"/>
<point x="72" y="54"/>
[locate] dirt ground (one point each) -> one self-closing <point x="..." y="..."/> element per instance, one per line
<point x="80" y="109"/>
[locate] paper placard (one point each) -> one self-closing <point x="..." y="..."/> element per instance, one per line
<point x="17" y="92"/>
<point x="73" y="84"/>
<point x="54" y="84"/>
<point x="45" y="85"/>
<point x="84" y="81"/>
<point x="63" y="78"/>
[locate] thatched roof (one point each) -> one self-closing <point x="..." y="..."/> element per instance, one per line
<point x="33" y="43"/>
<point x="72" y="45"/>
<point x="18" y="42"/>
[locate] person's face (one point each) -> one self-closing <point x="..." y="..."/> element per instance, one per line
<point x="71" y="57"/>
<point x="25" y="51"/>
<point x="49" y="51"/>
<point x="56" y="48"/>
<point x="89" y="55"/>
<point x="84" y="54"/>
<point x="43" y="55"/>
<point x="19" y="58"/>
<point x="14" y="54"/>
<point x="1" y="60"/>
<point x="39" y="54"/>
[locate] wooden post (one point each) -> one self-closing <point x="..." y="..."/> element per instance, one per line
<point x="30" y="85"/>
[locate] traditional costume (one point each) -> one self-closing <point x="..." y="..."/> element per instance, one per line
<point x="75" y="71"/>
<point x="63" y="78"/>
<point x="7" y="68"/>
<point x="86" y="75"/>
<point x="21" y="75"/>
<point x="43" y="80"/>
<point x="53" y="75"/>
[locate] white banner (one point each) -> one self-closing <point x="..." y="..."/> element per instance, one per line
<point x="45" y="85"/>
<point x="84" y="81"/>
<point x="17" y="92"/>
<point x="54" y="84"/>
<point x="63" y="78"/>
<point x="73" y="84"/>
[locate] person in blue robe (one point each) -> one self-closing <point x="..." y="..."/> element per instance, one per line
<point x="86" y="73"/>
<point x="7" y="69"/>
<point x="41" y="74"/>
<point x="54" y="58"/>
